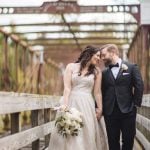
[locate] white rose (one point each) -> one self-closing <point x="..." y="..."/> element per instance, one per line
<point x="124" y="67"/>
<point x="68" y="131"/>
<point x="68" y="115"/>
<point x="68" y="122"/>
<point x="77" y="126"/>
<point x="73" y="123"/>
<point x="75" y="111"/>
<point x="61" y="123"/>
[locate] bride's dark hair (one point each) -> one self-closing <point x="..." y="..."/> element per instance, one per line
<point x="85" y="57"/>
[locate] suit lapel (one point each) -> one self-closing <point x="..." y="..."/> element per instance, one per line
<point x="120" y="71"/>
<point x="119" y="74"/>
<point x="111" y="75"/>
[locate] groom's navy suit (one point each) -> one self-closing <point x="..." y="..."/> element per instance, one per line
<point x="121" y="95"/>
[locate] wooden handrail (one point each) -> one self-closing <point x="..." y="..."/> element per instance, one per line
<point x="14" y="103"/>
<point x="21" y="139"/>
<point x="143" y="123"/>
<point x="17" y="103"/>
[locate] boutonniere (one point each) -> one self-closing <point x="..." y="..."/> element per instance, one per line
<point x="124" y="67"/>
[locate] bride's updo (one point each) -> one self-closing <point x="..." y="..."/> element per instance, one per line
<point x="85" y="57"/>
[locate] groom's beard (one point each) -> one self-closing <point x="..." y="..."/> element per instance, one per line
<point x="107" y="62"/>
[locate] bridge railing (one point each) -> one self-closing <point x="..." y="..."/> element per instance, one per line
<point x="24" y="70"/>
<point x="41" y="125"/>
<point x="143" y="123"/>
<point x="139" y="53"/>
<point x="42" y="120"/>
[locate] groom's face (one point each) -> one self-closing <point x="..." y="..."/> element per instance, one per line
<point x="106" y="56"/>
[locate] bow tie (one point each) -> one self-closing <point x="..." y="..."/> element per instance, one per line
<point x="113" y="65"/>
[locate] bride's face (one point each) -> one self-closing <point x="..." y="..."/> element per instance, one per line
<point x="95" y="58"/>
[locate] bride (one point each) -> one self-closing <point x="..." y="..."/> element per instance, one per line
<point x="82" y="84"/>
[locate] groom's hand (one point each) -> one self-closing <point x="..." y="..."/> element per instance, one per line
<point x="98" y="113"/>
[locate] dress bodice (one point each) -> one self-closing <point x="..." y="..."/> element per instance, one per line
<point x="82" y="83"/>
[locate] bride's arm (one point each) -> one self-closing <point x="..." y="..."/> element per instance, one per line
<point x="97" y="91"/>
<point x="67" y="84"/>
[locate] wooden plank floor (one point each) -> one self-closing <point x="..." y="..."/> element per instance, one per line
<point x="136" y="146"/>
<point x="29" y="147"/>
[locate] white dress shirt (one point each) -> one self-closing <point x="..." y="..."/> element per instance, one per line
<point x="115" y="70"/>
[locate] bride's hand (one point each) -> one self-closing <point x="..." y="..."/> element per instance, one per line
<point x="98" y="113"/>
<point x="63" y="107"/>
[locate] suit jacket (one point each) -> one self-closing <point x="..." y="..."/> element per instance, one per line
<point x="126" y="89"/>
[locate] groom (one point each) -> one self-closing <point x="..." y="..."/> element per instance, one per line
<point x="122" y="90"/>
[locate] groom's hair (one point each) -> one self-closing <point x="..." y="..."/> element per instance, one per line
<point x="111" y="48"/>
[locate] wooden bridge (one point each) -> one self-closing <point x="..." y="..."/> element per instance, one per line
<point x="33" y="67"/>
<point x="37" y="135"/>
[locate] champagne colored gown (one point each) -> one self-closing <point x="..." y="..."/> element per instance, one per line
<point x="91" y="136"/>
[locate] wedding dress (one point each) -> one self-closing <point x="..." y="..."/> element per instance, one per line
<point x="91" y="136"/>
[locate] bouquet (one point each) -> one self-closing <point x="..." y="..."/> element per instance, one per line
<point x="69" y="122"/>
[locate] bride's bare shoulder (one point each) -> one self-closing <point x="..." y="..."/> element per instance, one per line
<point x="72" y="66"/>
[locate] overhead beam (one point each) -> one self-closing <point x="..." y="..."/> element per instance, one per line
<point x="69" y="48"/>
<point x="61" y="7"/>
<point x="70" y="23"/>
<point x="75" y="31"/>
<point x="73" y="44"/>
<point x="70" y="7"/>
<point x="72" y="39"/>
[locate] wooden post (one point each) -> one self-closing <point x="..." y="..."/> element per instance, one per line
<point x="15" y="127"/>
<point x="16" y="64"/>
<point x="32" y="65"/>
<point x="147" y="45"/>
<point x="47" y="119"/>
<point x="5" y="70"/>
<point x="5" y="51"/>
<point x="148" y="68"/>
<point x="35" y="122"/>
<point x="144" y="55"/>
<point x="24" y="66"/>
<point x="39" y="79"/>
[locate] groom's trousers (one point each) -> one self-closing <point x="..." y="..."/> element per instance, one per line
<point x="118" y="124"/>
